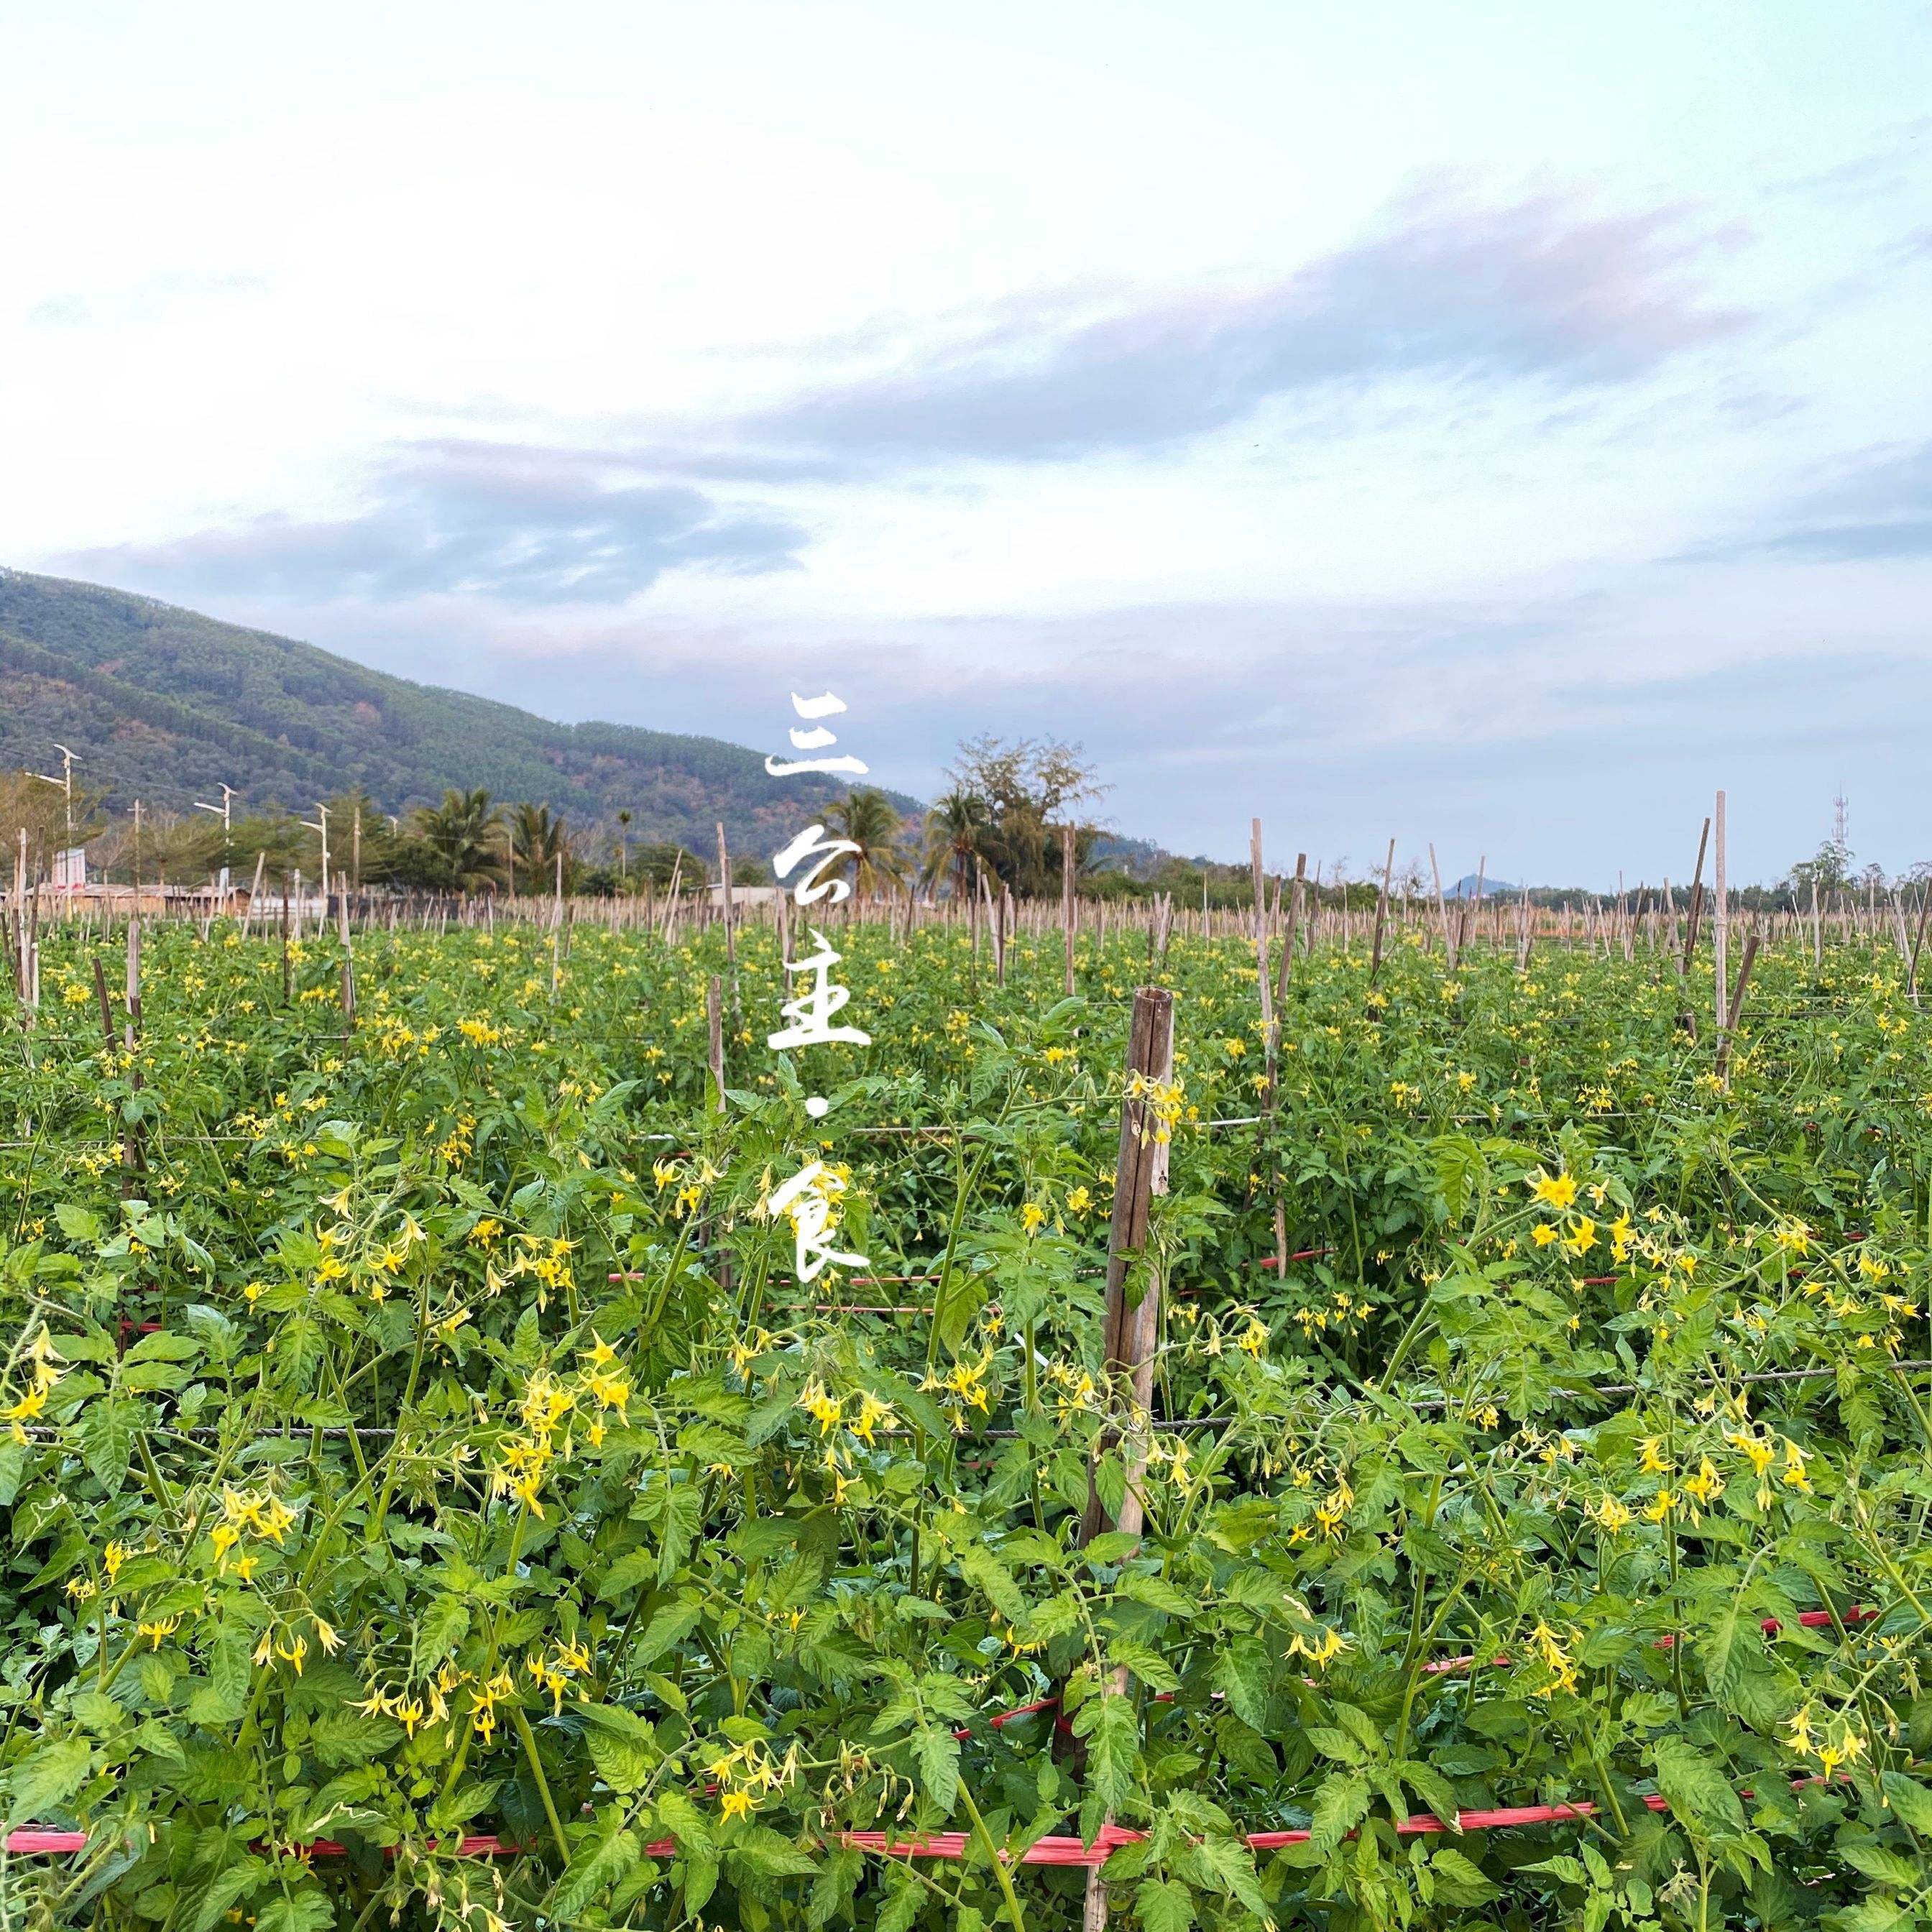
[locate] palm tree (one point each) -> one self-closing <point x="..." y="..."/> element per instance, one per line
<point x="956" y="832"/>
<point x="538" y="840"/>
<point x="624" y="846"/>
<point x="462" y="838"/>
<point x="865" y="817"/>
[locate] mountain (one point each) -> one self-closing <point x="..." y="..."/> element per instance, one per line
<point x="1464" y="888"/>
<point x="164" y="704"/>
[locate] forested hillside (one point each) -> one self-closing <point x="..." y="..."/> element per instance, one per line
<point x="164" y="703"/>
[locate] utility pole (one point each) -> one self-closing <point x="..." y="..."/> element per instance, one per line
<point x="223" y="812"/>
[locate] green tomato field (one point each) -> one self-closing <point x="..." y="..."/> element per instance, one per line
<point x="430" y="1498"/>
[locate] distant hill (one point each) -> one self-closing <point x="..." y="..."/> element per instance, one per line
<point x="164" y="704"/>
<point x="1464" y="888"/>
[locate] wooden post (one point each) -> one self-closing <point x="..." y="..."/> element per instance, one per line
<point x="1735" y="1007"/>
<point x="1697" y="901"/>
<point x="107" y="1005"/>
<point x="1442" y="913"/>
<point x="731" y="934"/>
<point x="1471" y="906"/>
<point x="1066" y="900"/>
<point x="670" y="894"/>
<point x="133" y="1155"/>
<point x="1720" y="923"/>
<point x="23" y="971"/>
<point x="1382" y="914"/>
<point x="1270" y="1048"/>
<point x="348" y="960"/>
<point x="1295" y="896"/>
<point x="1141" y="1172"/>
<point x="254" y="893"/>
<point x="972" y="892"/>
<point x="714" y="1020"/>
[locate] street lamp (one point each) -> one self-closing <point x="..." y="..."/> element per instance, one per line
<point x="65" y="781"/>
<point x="320" y="824"/>
<point x="221" y="812"/>
<point x="64" y="873"/>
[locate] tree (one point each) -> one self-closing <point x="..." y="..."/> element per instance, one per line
<point x="362" y="842"/>
<point x="1029" y="788"/>
<point x="1829" y="869"/>
<point x="462" y="839"/>
<point x="867" y="819"/>
<point x="957" y="828"/>
<point x="539" y="839"/>
<point x="28" y="802"/>
<point x="662" y="861"/>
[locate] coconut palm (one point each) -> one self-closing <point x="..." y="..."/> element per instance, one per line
<point x="957" y="829"/>
<point x="463" y="837"/>
<point x="538" y="838"/>
<point x="866" y="817"/>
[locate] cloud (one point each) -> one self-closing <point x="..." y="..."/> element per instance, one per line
<point x="1542" y="290"/>
<point x="143" y="301"/>
<point x="526" y="525"/>
<point x="1880" y="507"/>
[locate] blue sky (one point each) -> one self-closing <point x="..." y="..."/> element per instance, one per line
<point x="1497" y="425"/>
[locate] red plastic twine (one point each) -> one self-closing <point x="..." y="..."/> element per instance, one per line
<point x="1047" y="1851"/>
<point x="33" y="1841"/>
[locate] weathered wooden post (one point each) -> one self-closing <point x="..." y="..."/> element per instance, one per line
<point x="1442" y="913"/>
<point x="1382" y="915"/>
<point x="1720" y="924"/>
<point x="730" y="933"/>
<point x="348" y="960"/>
<point x="1735" y="1008"/>
<point x="714" y="1018"/>
<point x="1141" y="1172"/>
<point x="1270" y="1043"/>
<point x="1066" y="900"/>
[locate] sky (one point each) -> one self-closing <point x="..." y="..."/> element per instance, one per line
<point x="1496" y="426"/>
